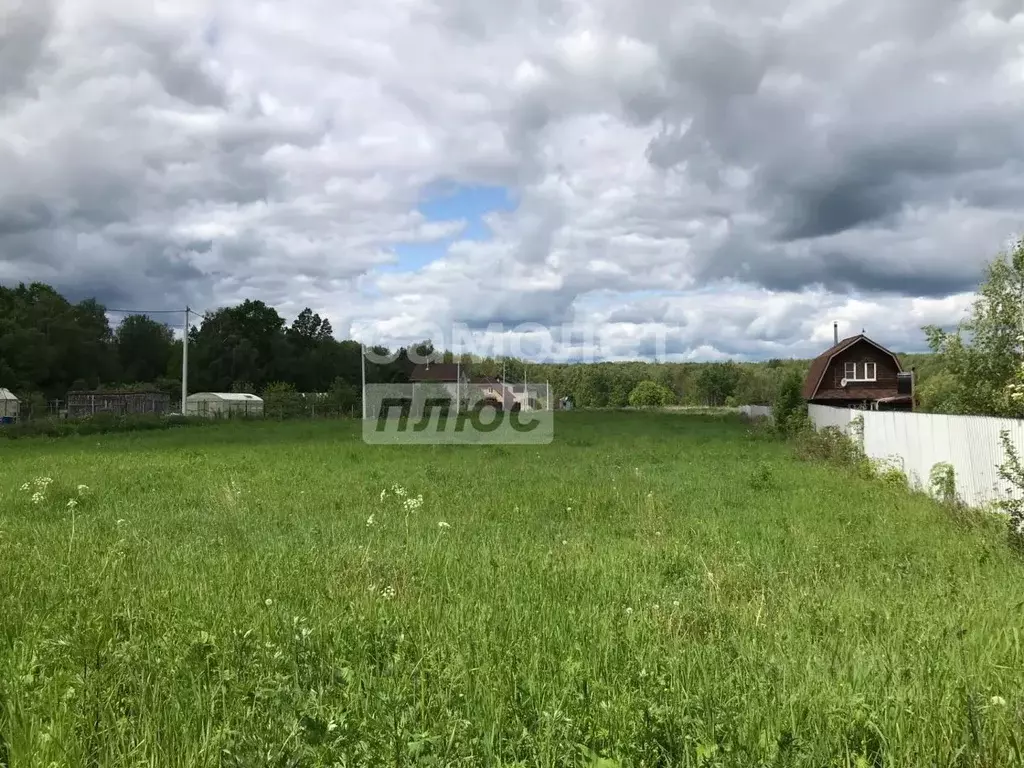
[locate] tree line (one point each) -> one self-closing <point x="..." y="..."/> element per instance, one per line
<point x="49" y="346"/>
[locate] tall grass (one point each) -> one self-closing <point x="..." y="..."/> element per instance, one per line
<point x="649" y="590"/>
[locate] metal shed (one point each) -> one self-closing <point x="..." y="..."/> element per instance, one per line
<point x="223" y="405"/>
<point x="9" y="406"/>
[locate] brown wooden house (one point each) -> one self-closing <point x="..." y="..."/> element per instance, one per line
<point x="857" y="373"/>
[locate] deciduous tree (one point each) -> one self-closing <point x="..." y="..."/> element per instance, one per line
<point x="982" y="356"/>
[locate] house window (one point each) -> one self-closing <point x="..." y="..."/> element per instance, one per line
<point x="860" y="371"/>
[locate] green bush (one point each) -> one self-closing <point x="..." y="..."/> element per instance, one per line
<point x="281" y="401"/>
<point x="1012" y="471"/>
<point x="789" y="410"/>
<point x="829" y="444"/>
<point x="100" y="424"/>
<point x="651" y="394"/>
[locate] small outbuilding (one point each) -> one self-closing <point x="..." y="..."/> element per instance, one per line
<point x="119" y="402"/>
<point x="223" y="405"/>
<point x="9" y="406"/>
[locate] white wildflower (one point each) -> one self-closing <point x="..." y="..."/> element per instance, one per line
<point x="629" y="611"/>
<point x="443" y="525"/>
<point x="413" y="503"/>
<point x="120" y="520"/>
<point x="370" y="521"/>
<point x="656" y="606"/>
<point x="399" y="491"/>
<point x="997" y="701"/>
<point x="268" y="602"/>
<point x="38" y="497"/>
<point x="388" y="593"/>
<point x="675" y="603"/>
<point x="26" y="486"/>
<point x="72" y="503"/>
<point x="83" y="488"/>
<point x="565" y="542"/>
<point x="383" y="494"/>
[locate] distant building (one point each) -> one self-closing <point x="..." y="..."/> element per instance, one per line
<point x="523" y="398"/>
<point x="9" y="406"/>
<point x="82" y="404"/>
<point x="213" y="405"/>
<point x="450" y="376"/>
<point x="858" y="373"/>
<point x="492" y="392"/>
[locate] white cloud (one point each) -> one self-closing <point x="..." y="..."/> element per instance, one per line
<point x="770" y="166"/>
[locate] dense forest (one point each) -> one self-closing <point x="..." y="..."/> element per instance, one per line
<point x="49" y="346"/>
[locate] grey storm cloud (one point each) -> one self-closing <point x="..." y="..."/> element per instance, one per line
<point x="920" y="125"/>
<point x="832" y="158"/>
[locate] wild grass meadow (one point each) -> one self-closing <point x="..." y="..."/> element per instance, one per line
<point x="648" y="590"/>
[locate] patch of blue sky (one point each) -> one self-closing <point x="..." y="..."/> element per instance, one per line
<point x="453" y="202"/>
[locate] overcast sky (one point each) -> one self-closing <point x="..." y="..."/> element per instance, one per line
<point x="730" y="176"/>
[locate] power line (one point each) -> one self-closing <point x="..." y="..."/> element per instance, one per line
<point x="145" y="311"/>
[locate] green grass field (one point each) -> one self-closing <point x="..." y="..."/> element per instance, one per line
<point x="649" y="589"/>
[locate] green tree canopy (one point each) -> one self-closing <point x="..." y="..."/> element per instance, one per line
<point x="717" y="382"/>
<point x="650" y="394"/>
<point x="143" y="348"/>
<point x="981" y="357"/>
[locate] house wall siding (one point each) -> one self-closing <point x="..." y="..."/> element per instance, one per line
<point x="885" y="374"/>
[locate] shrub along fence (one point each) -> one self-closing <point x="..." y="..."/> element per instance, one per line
<point x="929" y="447"/>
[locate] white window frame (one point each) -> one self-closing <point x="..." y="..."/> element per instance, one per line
<point x="850" y="371"/>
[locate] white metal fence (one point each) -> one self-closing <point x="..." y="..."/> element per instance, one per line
<point x="916" y="442"/>
<point x="756" y="411"/>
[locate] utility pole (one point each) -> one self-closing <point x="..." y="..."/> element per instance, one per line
<point x="362" y="363"/>
<point x="458" y="382"/>
<point x="184" y="364"/>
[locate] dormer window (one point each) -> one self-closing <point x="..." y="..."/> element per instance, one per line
<point x="860" y="372"/>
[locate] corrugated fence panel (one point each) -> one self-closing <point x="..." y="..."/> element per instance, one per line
<point x="916" y="442"/>
<point x="822" y="416"/>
